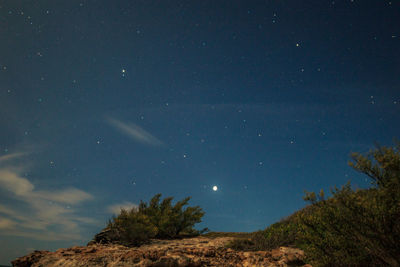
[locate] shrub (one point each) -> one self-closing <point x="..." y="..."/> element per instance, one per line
<point x="333" y="233"/>
<point x="131" y="228"/>
<point x="283" y="233"/>
<point x="154" y="220"/>
<point x="352" y="227"/>
<point x="357" y="227"/>
<point x="171" y="221"/>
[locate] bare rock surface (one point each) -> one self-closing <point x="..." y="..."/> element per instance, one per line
<point x="197" y="251"/>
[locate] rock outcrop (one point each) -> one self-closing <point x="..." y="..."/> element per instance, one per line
<point x="198" y="251"/>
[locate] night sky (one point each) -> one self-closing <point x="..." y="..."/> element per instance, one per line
<point x="106" y="103"/>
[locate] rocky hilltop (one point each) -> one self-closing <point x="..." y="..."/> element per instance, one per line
<point x="197" y="251"/>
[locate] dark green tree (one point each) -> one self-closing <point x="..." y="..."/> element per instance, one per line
<point x="131" y="228"/>
<point x="172" y="220"/>
<point x="152" y="220"/>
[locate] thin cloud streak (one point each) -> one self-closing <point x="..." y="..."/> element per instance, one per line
<point x="135" y="132"/>
<point x="12" y="156"/>
<point x="47" y="236"/>
<point x="67" y="196"/>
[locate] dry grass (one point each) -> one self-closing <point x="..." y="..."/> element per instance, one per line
<point x="227" y="234"/>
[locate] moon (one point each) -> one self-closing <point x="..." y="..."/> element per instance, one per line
<point x="215" y="188"/>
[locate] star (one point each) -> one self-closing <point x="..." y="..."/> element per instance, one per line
<point x="215" y="188"/>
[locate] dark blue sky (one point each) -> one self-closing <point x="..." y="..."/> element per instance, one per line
<point x="106" y="103"/>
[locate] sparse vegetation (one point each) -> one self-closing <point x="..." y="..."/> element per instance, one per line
<point x="154" y="220"/>
<point x="282" y="233"/>
<point x="227" y="234"/>
<point x="350" y="228"/>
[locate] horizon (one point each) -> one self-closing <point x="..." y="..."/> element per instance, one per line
<point x="241" y="105"/>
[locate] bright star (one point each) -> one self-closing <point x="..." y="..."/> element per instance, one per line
<point x="215" y="188"/>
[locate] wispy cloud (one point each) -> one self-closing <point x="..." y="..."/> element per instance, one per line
<point x="116" y="208"/>
<point x="10" y="181"/>
<point x="6" y="223"/>
<point x="12" y="156"/>
<point x="135" y="132"/>
<point x="67" y="196"/>
<point x="39" y="214"/>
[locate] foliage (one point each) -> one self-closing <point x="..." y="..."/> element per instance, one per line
<point x="358" y="227"/>
<point x="131" y="228"/>
<point x="283" y="233"/>
<point x="155" y="220"/>
<point x="350" y="228"/>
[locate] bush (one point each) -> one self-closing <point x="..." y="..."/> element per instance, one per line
<point x="171" y="221"/>
<point x="131" y="228"/>
<point x="358" y="227"/>
<point x="282" y="233"/>
<point x="154" y="220"/>
<point x="352" y="227"/>
<point x="336" y="232"/>
<point x="279" y="234"/>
